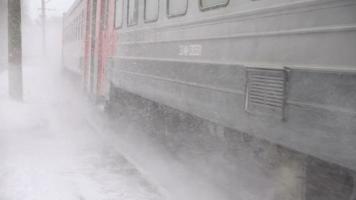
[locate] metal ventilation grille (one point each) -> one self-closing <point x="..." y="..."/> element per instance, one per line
<point x="266" y="91"/>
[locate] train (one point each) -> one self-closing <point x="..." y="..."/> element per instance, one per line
<point x="280" y="70"/>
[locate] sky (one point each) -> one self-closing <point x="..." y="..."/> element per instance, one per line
<point x="60" y="7"/>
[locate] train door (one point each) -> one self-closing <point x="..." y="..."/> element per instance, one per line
<point x="107" y="45"/>
<point x="93" y="47"/>
<point x="102" y="50"/>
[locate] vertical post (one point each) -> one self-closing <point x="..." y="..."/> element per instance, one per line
<point x="43" y="16"/>
<point x="15" y="49"/>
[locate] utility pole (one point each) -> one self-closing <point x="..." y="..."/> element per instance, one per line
<point x="15" y="50"/>
<point x="43" y="16"/>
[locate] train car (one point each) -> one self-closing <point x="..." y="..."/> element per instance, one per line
<point x="283" y="71"/>
<point x="280" y="70"/>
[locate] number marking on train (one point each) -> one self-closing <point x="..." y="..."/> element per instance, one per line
<point x="190" y="50"/>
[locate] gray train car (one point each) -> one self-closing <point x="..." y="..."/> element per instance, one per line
<point x="3" y="35"/>
<point x="281" y="70"/>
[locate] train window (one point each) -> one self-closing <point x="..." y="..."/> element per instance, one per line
<point x="119" y="9"/>
<point x="151" y="10"/>
<point x="83" y="24"/>
<point x="132" y="15"/>
<point x="209" y="4"/>
<point x="80" y="26"/>
<point x="177" y="7"/>
<point x="76" y="28"/>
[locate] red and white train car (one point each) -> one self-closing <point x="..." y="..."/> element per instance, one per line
<point x="88" y="41"/>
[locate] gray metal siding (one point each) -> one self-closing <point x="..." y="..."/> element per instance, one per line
<point x="324" y="130"/>
<point x="316" y="39"/>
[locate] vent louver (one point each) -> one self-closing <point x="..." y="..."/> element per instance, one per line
<point x="266" y="91"/>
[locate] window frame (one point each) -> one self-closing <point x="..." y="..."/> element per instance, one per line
<point x="202" y="8"/>
<point x="122" y="14"/>
<point x="128" y="13"/>
<point x="158" y="12"/>
<point x="176" y="15"/>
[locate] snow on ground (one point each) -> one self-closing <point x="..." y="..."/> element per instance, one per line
<point x="48" y="150"/>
